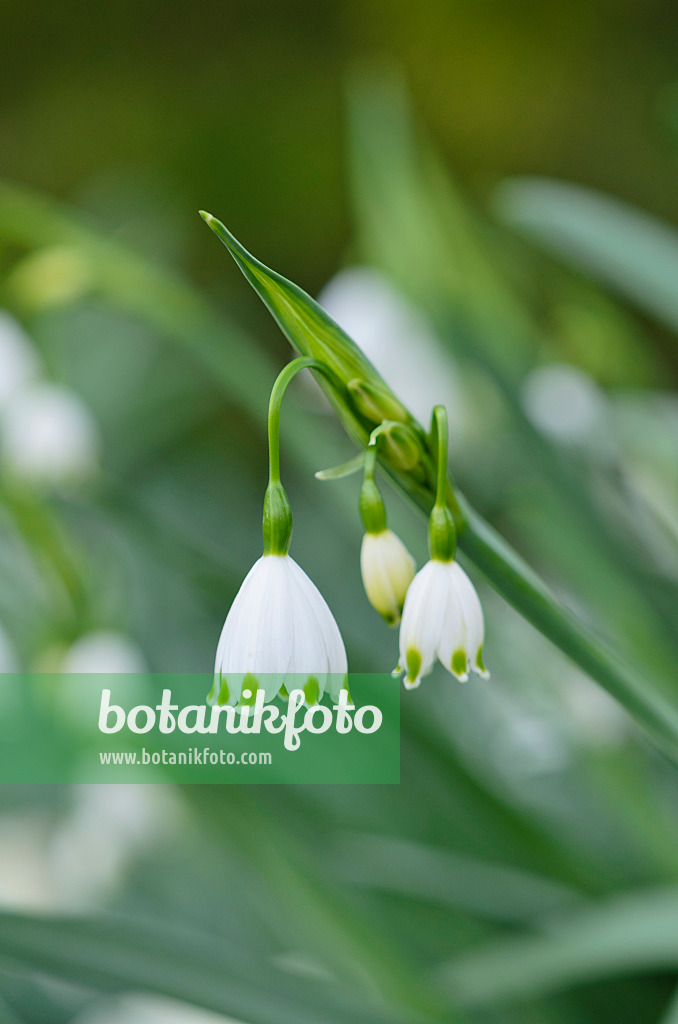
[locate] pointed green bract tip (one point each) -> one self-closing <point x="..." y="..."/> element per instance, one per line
<point x="207" y="217"/>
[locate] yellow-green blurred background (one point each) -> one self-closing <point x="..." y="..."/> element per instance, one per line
<point x="484" y="195"/>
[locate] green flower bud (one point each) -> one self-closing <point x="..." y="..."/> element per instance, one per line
<point x="401" y="449"/>
<point x="376" y="403"/>
<point x="387" y="570"/>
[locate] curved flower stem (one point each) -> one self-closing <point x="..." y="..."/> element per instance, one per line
<point x="277" y="392"/>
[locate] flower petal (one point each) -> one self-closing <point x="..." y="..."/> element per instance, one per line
<point x="421" y="626"/>
<point x="257" y="636"/>
<point x="473" y="615"/>
<point x="453" y="646"/>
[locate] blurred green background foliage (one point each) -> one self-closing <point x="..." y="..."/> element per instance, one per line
<point x="428" y="170"/>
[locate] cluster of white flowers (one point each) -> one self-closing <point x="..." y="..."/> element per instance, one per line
<point x="279" y="629"/>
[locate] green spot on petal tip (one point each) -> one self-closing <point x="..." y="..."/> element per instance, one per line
<point x="312" y="691"/>
<point x="249" y="685"/>
<point x="413" y="662"/>
<point x="459" y="662"/>
<point x="224" y="693"/>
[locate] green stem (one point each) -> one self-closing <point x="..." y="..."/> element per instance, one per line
<point x="277" y="518"/>
<point x="284" y="377"/>
<point x="442" y="535"/>
<point x="440" y="416"/>
<point x="370" y="463"/>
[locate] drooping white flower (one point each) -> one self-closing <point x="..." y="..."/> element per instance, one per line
<point x="387" y="569"/>
<point x="278" y="632"/>
<point x="442" y="617"/>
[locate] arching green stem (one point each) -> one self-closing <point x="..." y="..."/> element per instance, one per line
<point x="277" y="520"/>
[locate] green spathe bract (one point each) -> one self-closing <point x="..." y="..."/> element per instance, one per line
<point x="360" y="397"/>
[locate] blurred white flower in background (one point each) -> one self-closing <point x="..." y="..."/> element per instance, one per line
<point x="49" y="435"/>
<point x="396" y="338"/>
<point x="100" y="651"/>
<point x="18" y="361"/>
<point x="107" y="828"/>
<point x="147" y="1009"/>
<point x="25" y="879"/>
<point x="564" y="403"/>
<point x="595" y="718"/>
<point x="84" y="859"/>
<point x="103" y="651"/>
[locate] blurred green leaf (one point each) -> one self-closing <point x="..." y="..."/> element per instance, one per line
<point x="630" y="250"/>
<point x="483" y="888"/>
<point x="631" y="934"/>
<point x="223" y="976"/>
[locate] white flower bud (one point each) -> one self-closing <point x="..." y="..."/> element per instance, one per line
<point x="387" y="569"/>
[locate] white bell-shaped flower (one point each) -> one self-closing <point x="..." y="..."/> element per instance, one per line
<point x="442" y="617"/>
<point x="387" y="569"/>
<point x="278" y="632"/>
